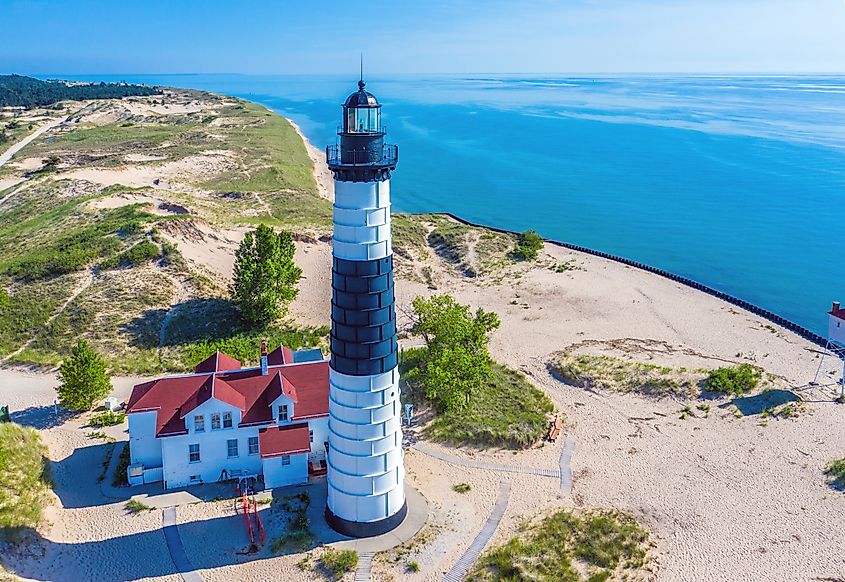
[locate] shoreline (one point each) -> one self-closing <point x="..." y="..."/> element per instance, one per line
<point x="324" y="184"/>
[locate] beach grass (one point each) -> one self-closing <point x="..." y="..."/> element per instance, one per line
<point x="620" y="375"/>
<point x="491" y="419"/>
<point x="338" y="562"/>
<point x="106" y="418"/>
<point x="569" y="547"/>
<point x="24" y="479"/>
<point x="135" y="507"/>
<point x="836" y="473"/>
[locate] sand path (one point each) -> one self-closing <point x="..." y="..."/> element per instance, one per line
<point x="10" y="152"/>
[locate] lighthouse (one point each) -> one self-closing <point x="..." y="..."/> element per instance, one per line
<point x="366" y="495"/>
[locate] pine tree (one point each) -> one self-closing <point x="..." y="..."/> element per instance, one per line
<point x="265" y="275"/>
<point x="84" y="378"/>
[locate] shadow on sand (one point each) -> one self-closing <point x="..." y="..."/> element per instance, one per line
<point x="42" y="417"/>
<point x="757" y="404"/>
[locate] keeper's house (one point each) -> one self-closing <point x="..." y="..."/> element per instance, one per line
<point x="224" y="422"/>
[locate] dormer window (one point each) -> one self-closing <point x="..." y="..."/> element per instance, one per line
<point x="283" y="413"/>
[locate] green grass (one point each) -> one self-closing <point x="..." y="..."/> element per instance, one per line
<point x="737" y="380"/>
<point x="509" y="411"/>
<point x="339" y="562"/>
<point x="29" y="307"/>
<point x="412" y="566"/>
<point x="298" y="536"/>
<point x="135" y="507"/>
<point x="461" y="487"/>
<point x="24" y="479"/>
<point x="106" y="418"/>
<point x="565" y="546"/>
<point x="136" y="255"/>
<point x="836" y="473"/>
<point x="612" y="373"/>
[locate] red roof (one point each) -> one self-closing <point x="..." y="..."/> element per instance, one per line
<point x="173" y="398"/>
<point x="279" y="356"/>
<point x="217" y="362"/>
<point x="284" y="440"/>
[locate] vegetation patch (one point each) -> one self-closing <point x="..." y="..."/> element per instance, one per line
<point x="461" y="487"/>
<point x="528" y="245"/>
<point x="617" y="374"/>
<point x="569" y="547"/>
<point x="120" y="478"/>
<point x="298" y="536"/>
<point x="106" y="418"/>
<point x="21" y="91"/>
<point x="506" y="411"/>
<point x="135" y="507"/>
<point x="24" y="479"/>
<point x="134" y="256"/>
<point x="338" y="562"/>
<point x="736" y="380"/>
<point x="836" y="473"/>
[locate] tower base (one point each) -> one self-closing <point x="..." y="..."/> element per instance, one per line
<point x="366" y="529"/>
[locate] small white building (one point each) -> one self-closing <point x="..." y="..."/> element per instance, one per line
<point x="223" y="422"/>
<point x="836" y="324"/>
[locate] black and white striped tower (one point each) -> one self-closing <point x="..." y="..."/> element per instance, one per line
<point x="366" y="495"/>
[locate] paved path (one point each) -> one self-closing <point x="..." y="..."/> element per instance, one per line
<point x="423" y="448"/>
<point x="365" y="566"/>
<point x="565" y="469"/>
<point x="177" y="550"/>
<point x="467" y="561"/>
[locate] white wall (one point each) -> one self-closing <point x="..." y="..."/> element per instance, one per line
<point x="361" y="220"/>
<point x="836" y="329"/>
<point x="213" y="448"/>
<point x="320" y="426"/>
<point x="278" y="475"/>
<point x="144" y="447"/>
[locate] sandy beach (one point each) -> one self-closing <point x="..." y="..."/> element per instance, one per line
<point x="724" y="497"/>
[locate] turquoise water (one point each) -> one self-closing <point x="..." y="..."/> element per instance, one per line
<point x="737" y="182"/>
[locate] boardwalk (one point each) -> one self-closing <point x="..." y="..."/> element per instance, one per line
<point x="470" y="556"/>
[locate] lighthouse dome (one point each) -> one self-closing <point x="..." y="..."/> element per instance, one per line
<point x="361" y="98"/>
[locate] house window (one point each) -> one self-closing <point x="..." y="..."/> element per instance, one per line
<point x="283" y="412"/>
<point x="311" y="436"/>
<point x="215" y="421"/>
<point x="199" y="423"/>
<point x="253" y="445"/>
<point x="227" y="420"/>
<point x="285" y="459"/>
<point x="194" y="453"/>
<point x="232" y="448"/>
<point x="194" y="478"/>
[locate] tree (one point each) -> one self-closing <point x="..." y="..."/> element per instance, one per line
<point x="265" y="275"/>
<point x="84" y="378"/>
<point x="528" y="245"/>
<point x="457" y="361"/>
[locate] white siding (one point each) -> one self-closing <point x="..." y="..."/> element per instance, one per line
<point x="276" y="474"/>
<point x="320" y="426"/>
<point x="362" y="220"/>
<point x="144" y="447"/>
<point x="836" y="329"/>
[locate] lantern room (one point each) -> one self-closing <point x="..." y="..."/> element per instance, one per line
<point x="361" y="112"/>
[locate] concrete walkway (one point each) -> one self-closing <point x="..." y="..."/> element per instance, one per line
<point x="565" y="468"/>
<point x="425" y="449"/>
<point x="365" y="566"/>
<point x="470" y="556"/>
<point x="177" y="550"/>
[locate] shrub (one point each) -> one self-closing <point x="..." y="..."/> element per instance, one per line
<point x="836" y="473"/>
<point x="461" y="487"/>
<point x="84" y="379"/>
<point x="735" y="380"/>
<point x="413" y="567"/>
<point x="120" y="478"/>
<point x="106" y="418"/>
<point x="265" y="276"/>
<point x="528" y="245"/>
<point x="339" y="562"/>
<point x="24" y="478"/>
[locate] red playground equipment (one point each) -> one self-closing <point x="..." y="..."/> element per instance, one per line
<point x="246" y="506"/>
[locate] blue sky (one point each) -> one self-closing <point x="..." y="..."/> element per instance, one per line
<point x="436" y="36"/>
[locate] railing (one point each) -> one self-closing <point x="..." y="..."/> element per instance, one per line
<point x="335" y="156"/>
<point x="382" y="129"/>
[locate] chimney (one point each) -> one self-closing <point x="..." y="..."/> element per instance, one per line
<point x="835" y="309"/>
<point x="264" y="356"/>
